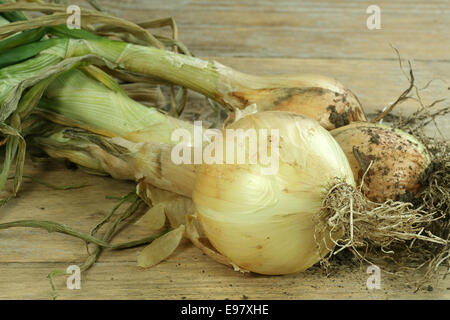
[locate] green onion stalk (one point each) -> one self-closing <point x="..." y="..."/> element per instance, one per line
<point x="27" y="65"/>
<point x="90" y="101"/>
<point x="30" y="63"/>
<point x="21" y="88"/>
<point x="35" y="79"/>
<point x="97" y="126"/>
<point x="316" y="96"/>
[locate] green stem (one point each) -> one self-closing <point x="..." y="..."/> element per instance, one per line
<point x="53" y="186"/>
<point x="104" y="108"/>
<point x="12" y="75"/>
<point x="196" y="74"/>
<point x="27" y="36"/>
<point x="51" y="226"/>
<point x="13" y="16"/>
<point x="129" y="197"/>
<point x="93" y="256"/>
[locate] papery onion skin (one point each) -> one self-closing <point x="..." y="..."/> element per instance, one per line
<point x="265" y="223"/>
<point x="331" y="109"/>
<point x="398" y="158"/>
<point x="318" y="97"/>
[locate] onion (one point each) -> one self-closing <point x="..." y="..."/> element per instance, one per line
<point x="321" y="98"/>
<point x="266" y="223"/>
<point x="318" y="97"/>
<point x="397" y="160"/>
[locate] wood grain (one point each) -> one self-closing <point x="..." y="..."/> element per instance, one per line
<point x="301" y="29"/>
<point x="260" y="37"/>
<point x="190" y="275"/>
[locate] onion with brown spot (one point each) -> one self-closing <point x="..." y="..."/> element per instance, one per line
<point x="396" y="160"/>
<point x="320" y="98"/>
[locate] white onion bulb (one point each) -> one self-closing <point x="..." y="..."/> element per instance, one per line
<point x="265" y="223"/>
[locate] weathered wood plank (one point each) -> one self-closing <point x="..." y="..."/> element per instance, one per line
<point x="190" y="275"/>
<point x="80" y="209"/>
<point x="301" y="29"/>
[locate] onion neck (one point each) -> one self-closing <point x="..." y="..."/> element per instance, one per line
<point x="104" y="110"/>
<point x="190" y="72"/>
<point x="223" y="84"/>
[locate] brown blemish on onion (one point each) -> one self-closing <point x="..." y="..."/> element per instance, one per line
<point x="331" y="109"/>
<point x="336" y="118"/>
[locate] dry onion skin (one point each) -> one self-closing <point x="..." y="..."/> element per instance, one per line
<point x="161" y="248"/>
<point x="325" y="100"/>
<point x="321" y="98"/>
<point x="391" y="161"/>
<point x="265" y="223"/>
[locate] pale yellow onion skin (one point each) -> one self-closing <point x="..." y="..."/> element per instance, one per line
<point x="318" y="97"/>
<point x="398" y="159"/>
<point x="264" y="223"/>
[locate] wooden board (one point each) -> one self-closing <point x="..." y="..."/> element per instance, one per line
<point x="302" y="29"/>
<point x="328" y="37"/>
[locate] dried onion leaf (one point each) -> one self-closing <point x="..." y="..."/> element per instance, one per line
<point x="161" y="248"/>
